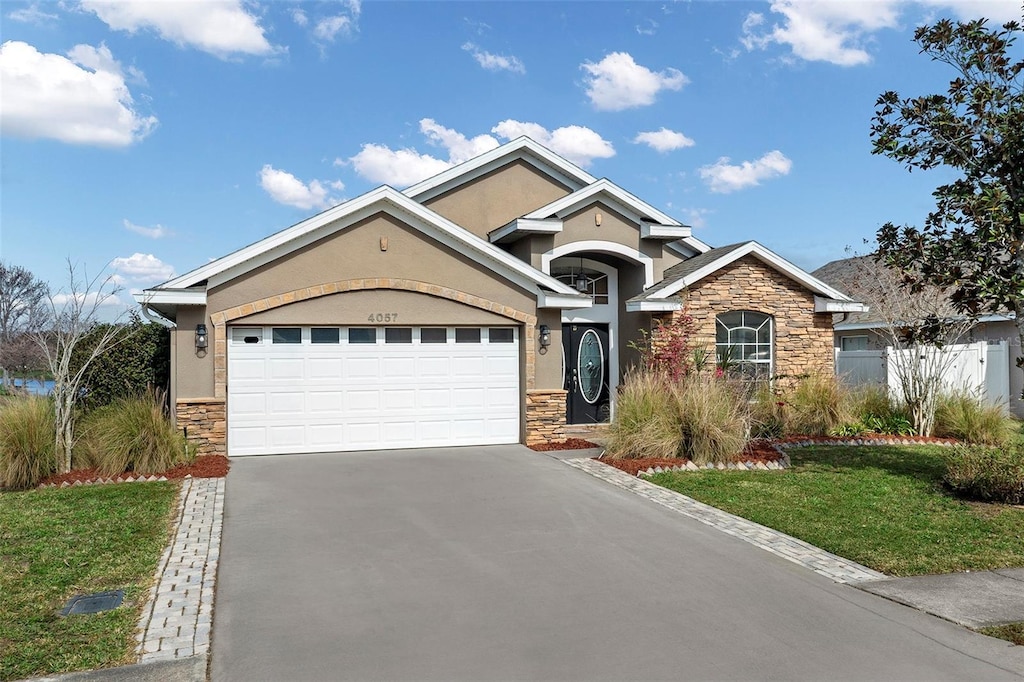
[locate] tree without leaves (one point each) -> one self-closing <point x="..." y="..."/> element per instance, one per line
<point x="23" y="310"/>
<point x="918" y="331"/>
<point x="75" y="312"/>
<point x="972" y="244"/>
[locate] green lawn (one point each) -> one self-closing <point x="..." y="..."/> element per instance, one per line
<point x="55" y="544"/>
<point x="883" y="507"/>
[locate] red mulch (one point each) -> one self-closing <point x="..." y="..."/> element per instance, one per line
<point x="756" y="451"/>
<point x="206" y="466"/>
<point x="568" y="444"/>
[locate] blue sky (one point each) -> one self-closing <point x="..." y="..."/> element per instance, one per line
<point x="150" y="137"/>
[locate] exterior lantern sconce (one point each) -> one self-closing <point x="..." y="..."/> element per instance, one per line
<point x="202" y="340"/>
<point x="545" y="336"/>
<point x="582" y="283"/>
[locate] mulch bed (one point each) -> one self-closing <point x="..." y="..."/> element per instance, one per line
<point x="568" y="444"/>
<point x="763" y="450"/>
<point x="206" y="466"/>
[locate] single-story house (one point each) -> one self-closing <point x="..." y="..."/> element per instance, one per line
<point x="862" y="330"/>
<point x="492" y="303"/>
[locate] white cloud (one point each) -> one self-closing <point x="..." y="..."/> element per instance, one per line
<point x="51" y="96"/>
<point x="31" y="15"/>
<point x="459" y="147"/>
<point x="156" y="232"/>
<point x="219" y="27"/>
<point x="397" y="167"/>
<point x="723" y="177"/>
<point x="617" y="82"/>
<point x="663" y="140"/>
<point x="141" y="268"/>
<point x="822" y="30"/>
<point x="404" y="167"/>
<point x="327" y="28"/>
<point x="495" y="62"/>
<point x="299" y="17"/>
<point x="90" y="300"/>
<point x="579" y="144"/>
<point x="648" y="29"/>
<point x="997" y="11"/>
<point x="285" y="188"/>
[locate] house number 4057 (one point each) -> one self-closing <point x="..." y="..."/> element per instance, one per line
<point x="382" y="317"/>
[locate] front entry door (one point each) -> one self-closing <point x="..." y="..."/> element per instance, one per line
<point x="585" y="350"/>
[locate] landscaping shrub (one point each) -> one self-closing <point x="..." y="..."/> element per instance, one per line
<point x="767" y="413"/>
<point x="701" y="418"/>
<point x="132" y="434"/>
<point x="990" y="474"/>
<point x="713" y="414"/>
<point x="26" y="441"/>
<point x="816" y="405"/>
<point x="137" y="363"/>
<point x="870" y="407"/>
<point x="646" y="419"/>
<point x="963" y="416"/>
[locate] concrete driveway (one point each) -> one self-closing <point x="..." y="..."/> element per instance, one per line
<point x="501" y="563"/>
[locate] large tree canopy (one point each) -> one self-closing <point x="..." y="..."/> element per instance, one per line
<point x="972" y="244"/>
<point x="24" y="308"/>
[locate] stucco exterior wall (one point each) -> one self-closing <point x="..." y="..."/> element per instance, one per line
<point x="580" y="226"/>
<point x="353" y="308"/>
<point x="494" y="199"/>
<point x="354" y="253"/>
<point x="803" y="339"/>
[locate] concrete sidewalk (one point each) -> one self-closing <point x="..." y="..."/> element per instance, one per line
<point x="974" y="599"/>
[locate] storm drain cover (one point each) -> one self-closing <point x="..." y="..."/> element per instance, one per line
<point x="93" y="603"/>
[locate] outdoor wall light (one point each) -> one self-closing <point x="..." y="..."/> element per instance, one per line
<point x="202" y="341"/>
<point x="582" y="283"/>
<point x="545" y="336"/>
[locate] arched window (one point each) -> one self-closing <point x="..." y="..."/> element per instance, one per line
<point x="743" y="342"/>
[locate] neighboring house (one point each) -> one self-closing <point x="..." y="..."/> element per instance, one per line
<point x="857" y="331"/>
<point x="492" y="303"/>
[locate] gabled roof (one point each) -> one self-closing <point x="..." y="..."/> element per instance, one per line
<point x="654" y="224"/>
<point x="521" y="148"/>
<point x="690" y="272"/>
<point x="383" y="199"/>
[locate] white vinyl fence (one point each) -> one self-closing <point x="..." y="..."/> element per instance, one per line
<point x="981" y="368"/>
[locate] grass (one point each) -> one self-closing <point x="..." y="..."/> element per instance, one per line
<point x="57" y="543"/>
<point x="883" y="507"/>
<point x="26" y="441"/>
<point x="1014" y="632"/>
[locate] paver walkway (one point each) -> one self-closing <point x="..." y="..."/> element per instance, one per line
<point x="178" y="617"/>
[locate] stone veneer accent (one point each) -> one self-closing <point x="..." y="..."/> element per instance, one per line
<point x="803" y="338"/>
<point x="545" y="415"/>
<point x="206" y="421"/>
<point x="220" y="319"/>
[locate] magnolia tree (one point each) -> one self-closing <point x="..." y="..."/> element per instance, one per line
<point x="972" y="244"/>
<point x="75" y="312"/>
<point x="920" y="329"/>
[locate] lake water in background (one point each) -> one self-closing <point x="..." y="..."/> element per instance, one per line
<point x="35" y="386"/>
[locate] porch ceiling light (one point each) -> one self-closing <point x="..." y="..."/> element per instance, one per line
<point x="582" y="283"/>
<point x="202" y="340"/>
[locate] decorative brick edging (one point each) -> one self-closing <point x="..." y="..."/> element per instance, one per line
<point x="818" y="560"/>
<point x="141" y="478"/>
<point x="178" y="616"/>
<point x="773" y="465"/>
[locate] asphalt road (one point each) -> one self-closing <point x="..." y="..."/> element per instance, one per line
<point x="503" y="564"/>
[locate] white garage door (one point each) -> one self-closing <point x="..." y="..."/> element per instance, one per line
<point x="324" y="389"/>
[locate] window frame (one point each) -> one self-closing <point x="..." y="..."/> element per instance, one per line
<point x="749" y="366"/>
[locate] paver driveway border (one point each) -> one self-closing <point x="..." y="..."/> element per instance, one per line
<point x="799" y="552"/>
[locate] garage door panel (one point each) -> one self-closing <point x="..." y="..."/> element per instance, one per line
<point x="304" y="397"/>
<point x="248" y="369"/>
<point x="325" y="369"/>
<point x="287" y="403"/>
<point x="286" y="369"/>
<point x="330" y="402"/>
<point x="357" y="368"/>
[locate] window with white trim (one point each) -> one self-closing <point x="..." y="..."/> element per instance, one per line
<point x="744" y="342"/>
